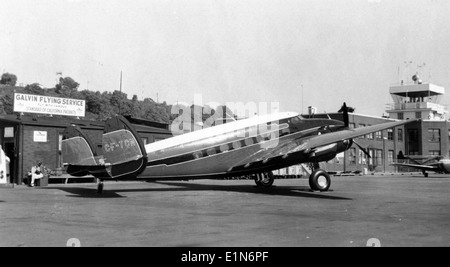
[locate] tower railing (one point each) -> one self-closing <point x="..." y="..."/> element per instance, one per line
<point x="440" y="109"/>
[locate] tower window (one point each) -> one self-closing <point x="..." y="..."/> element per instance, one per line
<point x="434" y="135"/>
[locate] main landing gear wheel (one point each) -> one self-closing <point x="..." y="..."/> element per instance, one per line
<point x="100" y="188"/>
<point x="265" y="179"/>
<point x="319" y="180"/>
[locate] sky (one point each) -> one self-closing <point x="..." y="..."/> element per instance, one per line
<point x="298" y="53"/>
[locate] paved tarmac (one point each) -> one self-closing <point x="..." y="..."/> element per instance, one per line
<point x="397" y="210"/>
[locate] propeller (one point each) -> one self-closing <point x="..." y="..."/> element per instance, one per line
<point x="344" y="110"/>
<point x="362" y="149"/>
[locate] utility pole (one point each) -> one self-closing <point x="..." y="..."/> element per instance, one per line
<point x="121" y="81"/>
<point x="120" y="106"/>
<point x="384" y="152"/>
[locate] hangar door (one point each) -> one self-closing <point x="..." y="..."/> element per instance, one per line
<point x="10" y="148"/>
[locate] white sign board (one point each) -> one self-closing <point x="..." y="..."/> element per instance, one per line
<point x="9" y="132"/>
<point x="49" y="105"/>
<point x="40" y="136"/>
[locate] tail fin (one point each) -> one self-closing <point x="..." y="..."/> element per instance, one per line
<point x="124" y="154"/>
<point x="77" y="151"/>
<point x="123" y="149"/>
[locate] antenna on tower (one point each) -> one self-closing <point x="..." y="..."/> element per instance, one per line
<point x="302" y="99"/>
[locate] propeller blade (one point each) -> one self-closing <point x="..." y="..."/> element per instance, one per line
<point x="362" y="149"/>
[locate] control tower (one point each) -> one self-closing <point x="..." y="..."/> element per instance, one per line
<point x="417" y="100"/>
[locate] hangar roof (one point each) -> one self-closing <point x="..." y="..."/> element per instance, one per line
<point x="139" y="124"/>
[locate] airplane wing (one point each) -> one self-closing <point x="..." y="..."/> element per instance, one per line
<point x="295" y="143"/>
<point x="326" y="139"/>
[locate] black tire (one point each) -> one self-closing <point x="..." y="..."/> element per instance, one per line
<point x="267" y="179"/>
<point x="319" y="180"/>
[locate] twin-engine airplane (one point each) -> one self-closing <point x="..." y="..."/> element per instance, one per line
<point x="255" y="146"/>
<point x="440" y="165"/>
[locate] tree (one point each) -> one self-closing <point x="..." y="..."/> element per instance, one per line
<point x="94" y="101"/>
<point x="6" y="103"/>
<point x="66" y="87"/>
<point x="119" y="101"/>
<point x="8" y="79"/>
<point x="34" y="89"/>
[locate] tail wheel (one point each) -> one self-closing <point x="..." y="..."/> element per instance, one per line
<point x="100" y="188"/>
<point x="264" y="179"/>
<point x="319" y="180"/>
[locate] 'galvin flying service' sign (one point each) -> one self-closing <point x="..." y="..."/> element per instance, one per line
<point x="49" y="105"/>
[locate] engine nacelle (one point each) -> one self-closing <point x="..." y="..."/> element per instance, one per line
<point x="329" y="152"/>
<point x="445" y="165"/>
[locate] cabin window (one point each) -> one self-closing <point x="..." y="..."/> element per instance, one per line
<point x="198" y="155"/>
<point x="259" y="139"/>
<point x="249" y="141"/>
<point x="237" y="145"/>
<point x="224" y="148"/>
<point x="211" y="151"/>
<point x="296" y="120"/>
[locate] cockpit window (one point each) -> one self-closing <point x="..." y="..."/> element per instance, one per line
<point x="296" y="120"/>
